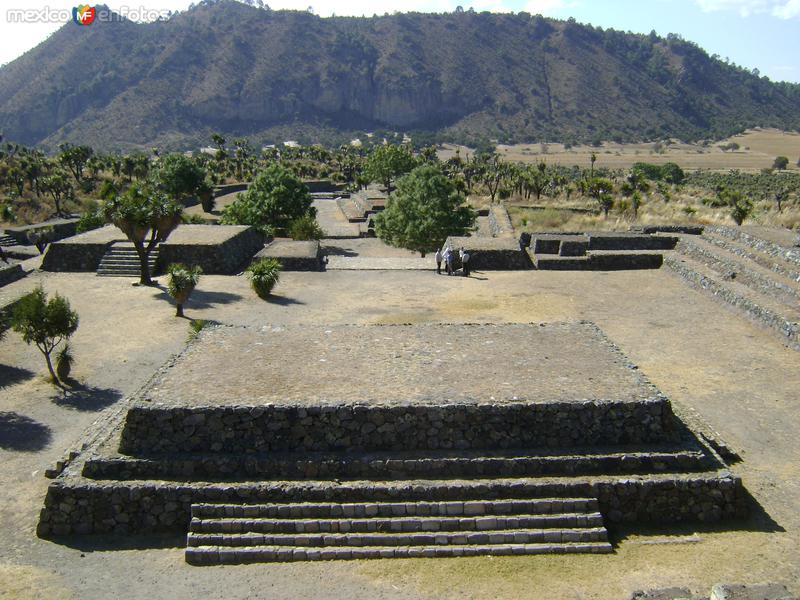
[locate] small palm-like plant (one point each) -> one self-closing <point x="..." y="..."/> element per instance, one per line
<point x="263" y="275"/>
<point x="181" y="284"/>
<point x="64" y="360"/>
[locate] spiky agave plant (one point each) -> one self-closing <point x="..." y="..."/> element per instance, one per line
<point x="181" y="283"/>
<point x="263" y="275"/>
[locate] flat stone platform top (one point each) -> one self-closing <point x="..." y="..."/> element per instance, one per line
<point x="103" y="235"/>
<point x="198" y="235"/>
<point x="290" y="249"/>
<point x="400" y="364"/>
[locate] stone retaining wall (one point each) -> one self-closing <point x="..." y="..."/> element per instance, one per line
<point x="158" y="507"/>
<point x="632" y="241"/>
<point x="789" y="331"/>
<point x="226" y="258"/>
<point x="500" y="221"/>
<point x="66" y="256"/>
<point x="791" y="255"/>
<point x="10" y="273"/>
<point x="300" y="428"/>
<point x="55" y="229"/>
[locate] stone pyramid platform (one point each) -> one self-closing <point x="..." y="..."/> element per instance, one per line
<point x="310" y="443"/>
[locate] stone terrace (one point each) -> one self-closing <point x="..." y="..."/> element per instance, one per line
<point x="562" y="362"/>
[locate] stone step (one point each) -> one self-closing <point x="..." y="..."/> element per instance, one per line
<point x="208" y="555"/>
<point x="577" y="520"/>
<point x="733" y="266"/>
<point x="122" y="260"/>
<point x="755" y="305"/>
<point x="421" y="508"/>
<point x="351" y="211"/>
<point x="394" y="539"/>
<point x="408" y="465"/>
<point x="7" y="240"/>
<point x="770" y="260"/>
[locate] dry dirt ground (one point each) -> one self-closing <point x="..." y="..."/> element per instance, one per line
<point x="758" y="149"/>
<point x="738" y="377"/>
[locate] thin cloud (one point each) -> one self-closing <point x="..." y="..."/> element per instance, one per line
<point x="783" y="9"/>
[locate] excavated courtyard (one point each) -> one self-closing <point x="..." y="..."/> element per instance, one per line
<point x="735" y="377"/>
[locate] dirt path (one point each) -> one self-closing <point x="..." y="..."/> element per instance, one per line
<point x="737" y="376"/>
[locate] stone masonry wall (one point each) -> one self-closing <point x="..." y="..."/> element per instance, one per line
<point x="10" y="273"/>
<point x="123" y="508"/>
<point x="227" y="258"/>
<point x="298" y="428"/>
<point x="64" y="256"/>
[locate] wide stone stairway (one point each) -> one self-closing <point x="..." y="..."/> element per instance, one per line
<point x="240" y="533"/>
<point x="755" y="277"/>
<point x="121" y="260"/>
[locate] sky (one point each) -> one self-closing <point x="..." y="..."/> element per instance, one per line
<point x="757" y="34"/>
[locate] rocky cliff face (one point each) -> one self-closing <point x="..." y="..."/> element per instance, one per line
<point x="228" y="67"/>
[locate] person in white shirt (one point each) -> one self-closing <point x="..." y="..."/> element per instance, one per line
<point x="439" y="261"/>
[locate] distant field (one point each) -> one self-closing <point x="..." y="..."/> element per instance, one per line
<point x="758" y="149"/>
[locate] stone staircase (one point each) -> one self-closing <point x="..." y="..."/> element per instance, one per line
<point x="755" y="277"/>
<point x="7" y="240"/>
<point x="121" y="260"/>
<point x="282" y="532"/>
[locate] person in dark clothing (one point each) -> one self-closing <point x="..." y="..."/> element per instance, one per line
<point x="465" y="263"/>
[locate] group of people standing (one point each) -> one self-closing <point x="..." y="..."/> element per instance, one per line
<point x="448" y="257"/>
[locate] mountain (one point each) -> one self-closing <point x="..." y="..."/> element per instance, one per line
<point x="229" y="67"/>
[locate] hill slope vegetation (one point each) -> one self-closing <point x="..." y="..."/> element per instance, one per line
<point x="272" y="75"/>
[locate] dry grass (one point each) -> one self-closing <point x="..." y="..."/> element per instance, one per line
<point x="759" y="147"/>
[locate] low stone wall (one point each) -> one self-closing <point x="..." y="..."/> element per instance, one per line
<point x="225" y="258"/>
<point x="789" y="331"/>
<point x="624" y="261"/>
<point x="687" y="229"/>
<point x="630" y="241"/>
<point x="294" y="255"/>
<point x="791" y="255"/>
<point x="500" y="221"/>
<point x="10" y="273"/>
<point x="55" y="229"/>
<point x="491" y="254"/>
<point x="66" y="256"/>
<point x="121" y="508"/>
<point x="300" y="428"/>
<point x="222" y="190"/>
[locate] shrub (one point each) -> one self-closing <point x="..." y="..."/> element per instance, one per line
<point x="45" y="323"/>
<point x="192" y="219"/>
<point x="263" y="275"/>
<point x="781" y="162"/>
<point x="93" y="219"/>
<point x="305" y="228"/>
<point x="181" y="283"/>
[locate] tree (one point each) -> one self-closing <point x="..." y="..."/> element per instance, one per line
<point x="592" y="159"/>
<point x="179" y="176"/>
<point x="274" y="199"/>
<point x="141" y="211"/>
<point x="600" y="189"/>
<point x="45" y="323"/>
<point x="60" y="189"/>
<point x="741" y="206"/>
<point x="636" y="203"/>
<point x="426" y="209"/>
<point x="780" y="196"/>
<point x="306" y="228"/>
<point x="75" y="158"/>
<point x="181" y="283"/>
<point x="387" y="162"/>
<point x="781" y="162"/>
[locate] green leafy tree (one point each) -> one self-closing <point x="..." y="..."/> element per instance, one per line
<point x="180" y="176"/>
<point x="60" y="189"/>
<point x="426" y="208"/>
<point x="388" y="162"/>
<point x="780" y="163"/>
<point x="140" y="212"/>
<point x="306" y="228"/>
<point x="44" y="323"/>
<point x="75" y="159"/>
<point x="181" y="283"/>
<point x="601" y="190"/>
<point x="274" y="199"/>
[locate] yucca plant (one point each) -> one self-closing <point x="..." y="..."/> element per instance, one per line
<point x="263" y="275"/>
<point x="181" y="283"/>
<point x="64" y="360"/>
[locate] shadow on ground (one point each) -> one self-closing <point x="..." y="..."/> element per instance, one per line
<point x="11" y="375"/>
<point x="86" y="398"/>
<point x="339" y="251"/>
<point x="101" y="543"/>
<point x="201" y="299"/>
<point x="758" y="521"/>
<point x="21" y="433"/>
<point x="283" y="300"/>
